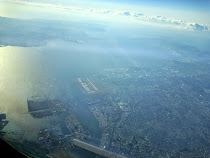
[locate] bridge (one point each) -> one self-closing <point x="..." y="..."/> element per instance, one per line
<point x="96" y="150"/>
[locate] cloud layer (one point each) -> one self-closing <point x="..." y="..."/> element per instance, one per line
<point x="135" y="15"/>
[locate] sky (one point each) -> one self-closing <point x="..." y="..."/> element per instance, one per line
<point x="177" y="3"/>
<point x="186" y="14"/>
<point x="190" y="5"/>
<point x="198" y="10"/>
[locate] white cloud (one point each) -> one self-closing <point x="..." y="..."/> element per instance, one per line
<point x="126" y="13"/>
<point x="196" y="26"/>
<point x="138" y="16"/>
<point x="177" y="23"/>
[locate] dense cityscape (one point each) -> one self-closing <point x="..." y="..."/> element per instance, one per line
<point x="160" y="113"/>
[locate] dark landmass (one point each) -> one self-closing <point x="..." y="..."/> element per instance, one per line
<point x="33" y="33"/>
<point x="8" y="151"/>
